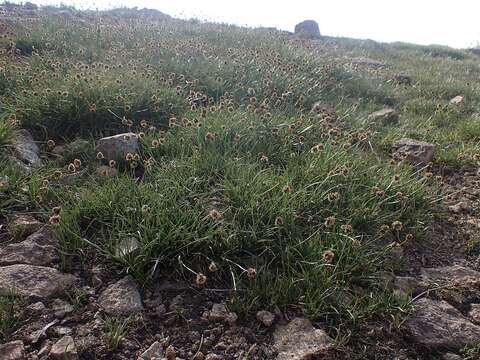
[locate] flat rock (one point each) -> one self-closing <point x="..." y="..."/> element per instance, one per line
<point x="25" y="148"/>
<point x="34" y="281"/>
<point x="437" y="324"/>
<point x="121" y="298"/>
<point x="454" y="273"/>
<point x="457" y="100"/>
<point x="385" y="116"/>
<point x="118" y="146"/>
<point x="299" y="340"/>
<point x="14" y="350"/>
<point x="155" y="351"/>
<point x="64" y="349"/>
<point x="417" y="152"/>
<point x="23" y="225"/>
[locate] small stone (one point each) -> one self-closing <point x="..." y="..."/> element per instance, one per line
<point x="59" y="150"/>
<point x="62" y="330"/>
<point x="127" y="247"/>
<point x="14" y="350"/>
<point x="437" y="324"/>
<point x="451" y="356"/>
<point x="199" y="356"/>
<point x="117" y="147"/>
<point x="176" y="304"/>
<point x="461" y="207"/>
<point x="417" y="152"/>
<point x="266" y="318"/>
<point x="213" y="356"/>
<point x="45" y="348"/>
<point x="307" y="29"/>
<point x="457" y="100"/>
<point x="219" y="312"/>
<point x="170" y="353"/>
<point x="404" y="286"/>
<point x="155" y="351"/>
<point x="106" y="171"/>
<point x="231" y="318"/>
<point x="61" y="308"/>
<point x="34" y="281"/>
<point x="36" y="308"/>
<point x="64" y="349"/>
<point x="23" y="225"/>
<point x="385" y="116"/>
<point x="71" y="179"/>
<point x="372" y="63"/>
<point x="121" y="298"/>
<point x="299" y="340"/>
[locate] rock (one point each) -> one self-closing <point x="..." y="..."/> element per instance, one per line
<point x="402" y="79"/>
<point x="457" y="100"/>
<point x="213" y="356"/>
<point x="23" y="225"/>
<point x="36" y="308"/>
<point x="29" y="252"/>
<point x="64" y="349"/>
<point x="14" y="350"/>
<point x="72" y="178"/>
<point x="219" y="312"/>
<point x="34" y="281"/>
<point x="451" y="356"/>
<point x="417" y="152"/>
<point x="461" y="207"/>
<point x="361" y="61"/>
<point x="455" y="273"/>
<point x="153" y="352"/>
<point x="121" y="298"/>
<point x="127" y="247"/>
<point x="117" y="147"/>
<point x="307" y="29"/>
<point x="299" y="340"/>
<point x="106" y="171"/>
<point x="266" y="318"/>
<point x="437" y="324"/>
<point x="59" y="150"/>
<point x="61" y="308"/>
<point x="404" y="286"/>
<point x="26" y="150"/>
<point x="474" y="313"/>
<point x="384" y="116"/>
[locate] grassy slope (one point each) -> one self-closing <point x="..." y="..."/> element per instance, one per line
<point x="295" y="209"/>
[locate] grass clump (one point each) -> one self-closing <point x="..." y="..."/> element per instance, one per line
<point x="10" y="308"/>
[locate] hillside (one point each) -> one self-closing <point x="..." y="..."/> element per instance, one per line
<point x="187" y="190"/>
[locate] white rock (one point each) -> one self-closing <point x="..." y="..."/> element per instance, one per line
<point x="117" y="147"/>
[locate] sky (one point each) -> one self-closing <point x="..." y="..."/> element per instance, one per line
<point x="444" y="22"/>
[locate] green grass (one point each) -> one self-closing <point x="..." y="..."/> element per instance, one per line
<point x="115" y="331"/>
<point x="297" y="210"/>
<point x="10" y="306"/>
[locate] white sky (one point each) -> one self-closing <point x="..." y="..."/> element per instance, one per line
<point x="446" y="22"/>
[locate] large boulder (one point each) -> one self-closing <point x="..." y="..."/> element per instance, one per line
<point x="121" y="298"/>
<point x="299" y="340"/>
<point x="415" y="151"/>
<point x="34" y="281"/>
<point x="307" y="29"/>
<point x="118" y="146"/>
<point x="437" y="324"/>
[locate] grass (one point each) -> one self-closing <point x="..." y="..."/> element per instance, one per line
<point x="10" y="306"/>
<point x="115" y="331"/>
<point x="297" y="210"/>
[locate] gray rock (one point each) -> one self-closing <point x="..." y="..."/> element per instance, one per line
<point x="61" y="308"/>
<point x="385" y="116"/>
<point x="437" y="324"/>
<point x="36" y="308"/>
<point x="33" y="281"/>
<point x="155" y="351"/>
<point x="72" y="178"/>
<point x="64" y="349"/>
<point x="299" y="340"/>
<point x="14" y="350"/>
<point x="454" y="273"/>
<point x="457" y="100"/>
<point x="219" y="312"/>
<point x="35" y="250"/>
<point x="117" y="147"/>
<point x="405" y="286"/>
<point x="451" y="356"/>
<point x="121" y="298"/>
<point x="417" y="152"/>
<point x="307" y="29"/>
<point x="402" y="79"/>
<point x="23" y="225"/>
<point x="26" y="150"/>
<point x="266" y="318"/>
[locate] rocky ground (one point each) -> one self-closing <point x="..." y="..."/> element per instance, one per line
<point x="64" y="314"/>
